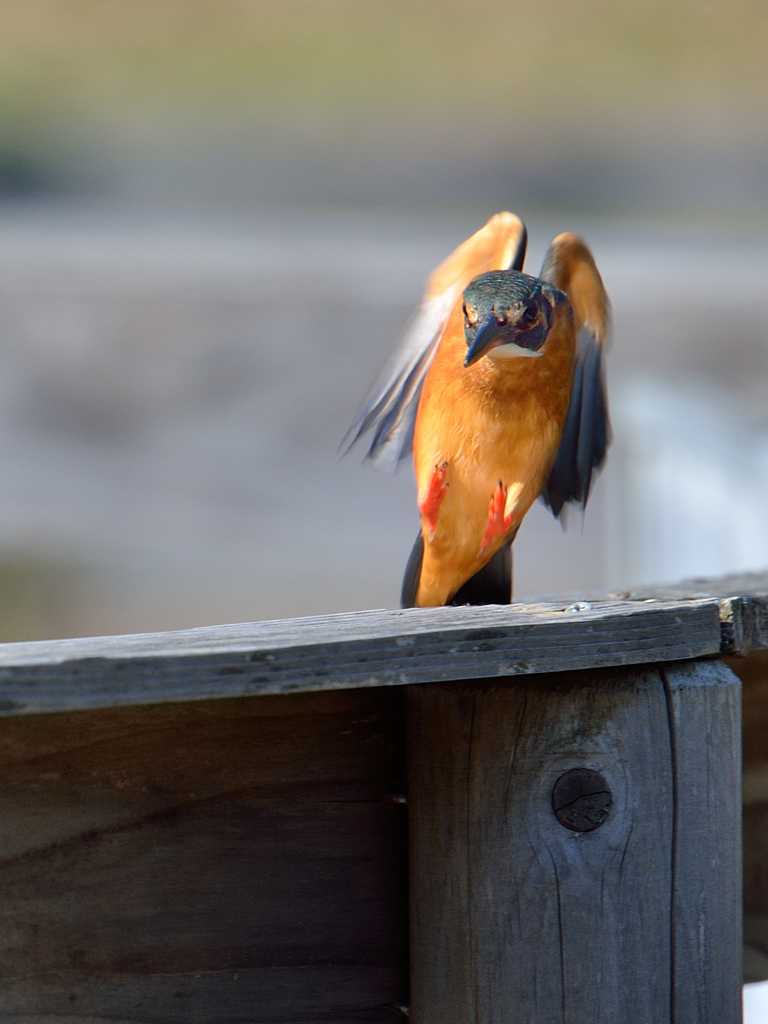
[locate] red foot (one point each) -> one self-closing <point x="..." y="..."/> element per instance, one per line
<point x="497" y="521"/>
<point x="430" y="507"/>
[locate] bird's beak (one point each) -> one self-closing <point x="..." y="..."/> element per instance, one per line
<point x="488" y="336"/>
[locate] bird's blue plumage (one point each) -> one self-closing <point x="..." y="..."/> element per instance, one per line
<point x="587" y="432"/>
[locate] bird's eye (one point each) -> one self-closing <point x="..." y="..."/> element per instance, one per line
<point x="470" y="313"/>
<point x="531" y="314"/>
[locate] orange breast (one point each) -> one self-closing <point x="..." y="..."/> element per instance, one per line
<point x="498" y="420"/>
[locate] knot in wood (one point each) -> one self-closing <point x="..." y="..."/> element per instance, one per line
<point x="581" y="800"/>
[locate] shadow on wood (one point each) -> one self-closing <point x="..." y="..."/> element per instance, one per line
<point x="753" y="671"/>
<point x="236" y="860"/>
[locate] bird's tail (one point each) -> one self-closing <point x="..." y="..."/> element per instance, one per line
<point x="490" y="585"/>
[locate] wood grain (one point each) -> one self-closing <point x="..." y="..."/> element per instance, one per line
<point x="344" y="651"/>
<point x="515" y="918"/>
<point x="386" y="648"/>
<point x="240" y="860"/>
<point x="704" y="703"/>
<point x="743" y="599"/>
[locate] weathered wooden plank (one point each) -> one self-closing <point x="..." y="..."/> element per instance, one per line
<point x="743" y="601"/>
<point x="517" y="917"/>
<point x="222" y="862"/>
<point x="705" y="714"/>
<point x="357" y="650"/>
<point x="315" y="994"/>
<point x="381" y="648"/>
<point x="322" y="993"/>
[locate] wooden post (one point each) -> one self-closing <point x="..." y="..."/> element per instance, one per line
<point x="576" y="848"/>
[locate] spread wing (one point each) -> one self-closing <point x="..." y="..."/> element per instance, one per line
<point x="569" y="266"/>
<point x="389" y="410"/>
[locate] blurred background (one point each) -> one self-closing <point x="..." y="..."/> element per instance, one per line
<point x="215" y="220"/>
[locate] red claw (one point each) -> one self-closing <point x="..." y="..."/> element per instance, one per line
<point x="497" y="522"/>
<point x="430" y="507"/>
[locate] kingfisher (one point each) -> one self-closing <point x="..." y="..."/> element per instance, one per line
<point x="498" y="389"/>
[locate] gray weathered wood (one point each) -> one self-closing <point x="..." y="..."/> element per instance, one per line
<point x="743" y="601"/>
<point x="705" y="714"/>
<point x="242" y="860"/>
<point x="516" y="918"/>
<point x="221" y="862"/>
<point x="385" y="648"/>
<point x="356" y="650"/>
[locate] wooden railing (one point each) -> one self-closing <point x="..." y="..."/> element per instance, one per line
<point x="231" y="823"/>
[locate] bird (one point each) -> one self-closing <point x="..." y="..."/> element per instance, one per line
<point x="498" y="389"/>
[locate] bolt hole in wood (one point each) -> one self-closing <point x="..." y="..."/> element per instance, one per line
<point x="581" y="800"/>
<point x="153" y="855"/>
<point x="575" y="848"/>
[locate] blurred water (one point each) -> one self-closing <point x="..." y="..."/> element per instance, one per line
<point x="172" y="392"/>
<point x="690" y="484"/>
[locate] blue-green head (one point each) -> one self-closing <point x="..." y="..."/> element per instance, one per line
<point x="509" y="313"/>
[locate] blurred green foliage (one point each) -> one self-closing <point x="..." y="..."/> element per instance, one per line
<point x="40" y="597"/>
<point x="127" y="67"/>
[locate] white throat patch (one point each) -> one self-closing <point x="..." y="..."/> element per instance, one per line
<point x="512" y="351"/>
